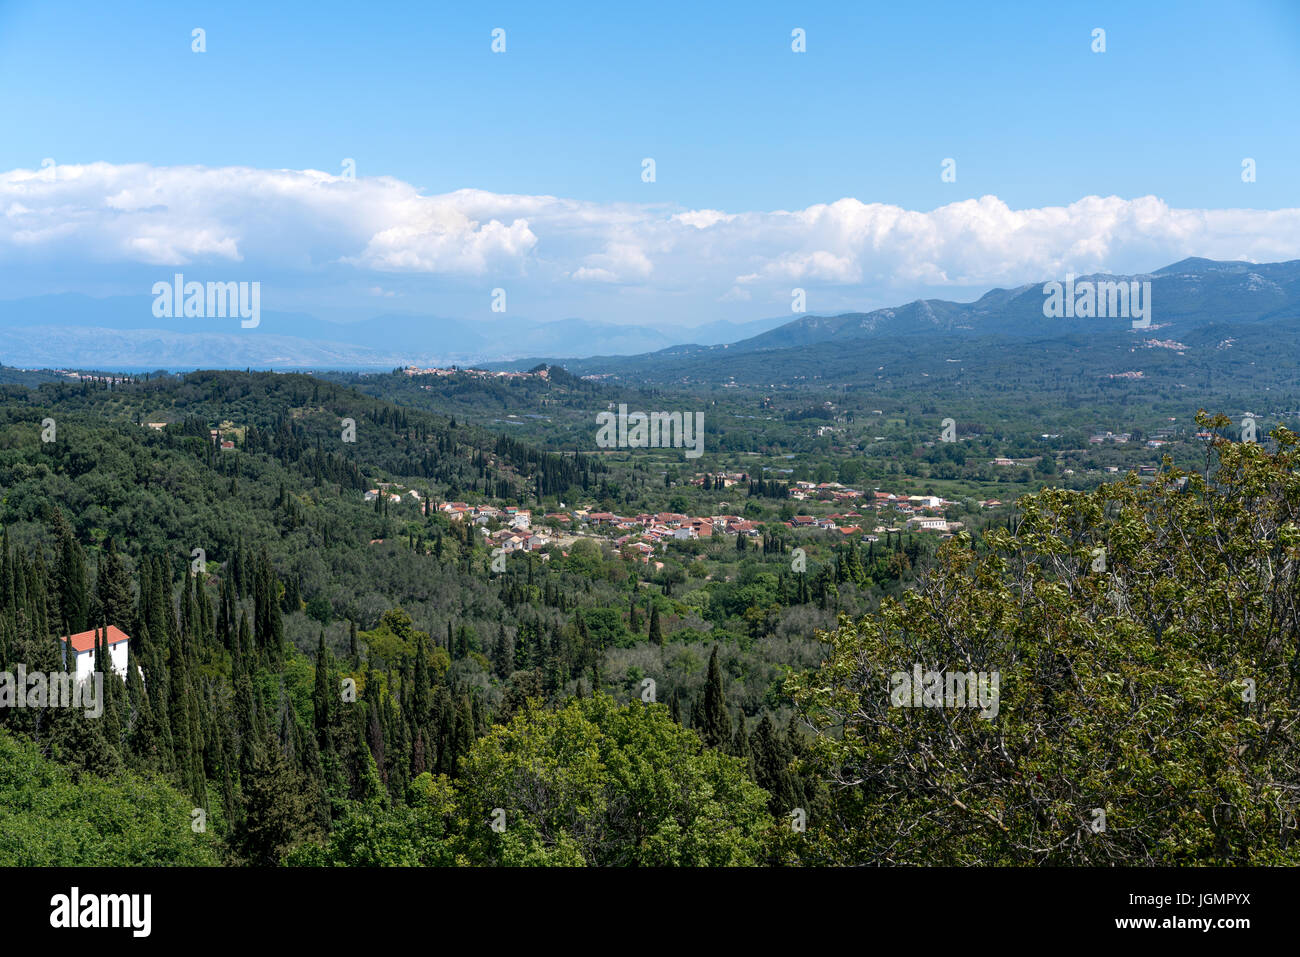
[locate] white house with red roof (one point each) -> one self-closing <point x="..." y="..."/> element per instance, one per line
<point x="83" y="646"/>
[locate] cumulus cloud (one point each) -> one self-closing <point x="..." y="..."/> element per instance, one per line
<point x="313" y="224"/>
<point x="702" y="218"/>
<point x="620" y="262"/>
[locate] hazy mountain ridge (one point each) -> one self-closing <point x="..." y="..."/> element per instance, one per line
<point x="121" y="332"/>
<point x="1193" y="290"/>
<point x="69" y="330"/>
<point x="1186" y="296"/>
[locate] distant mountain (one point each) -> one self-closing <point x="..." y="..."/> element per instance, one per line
<point x="1191" y="292"/>
<point x="122" y="332"/>
<point x="716" y="333"/>
<point x="1187" y="295"/>
<point x="85" y="347"/>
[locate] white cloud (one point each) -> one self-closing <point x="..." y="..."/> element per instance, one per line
<point x="594" y="274"/>
<point x="703" y="218"/>
<point x="322" y="228"/>
<point x="620" y="262"/>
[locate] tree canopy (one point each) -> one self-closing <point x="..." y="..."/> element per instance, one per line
<point x="1148" y="692"/>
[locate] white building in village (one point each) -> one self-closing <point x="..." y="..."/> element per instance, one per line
<point x="83" y="646"/>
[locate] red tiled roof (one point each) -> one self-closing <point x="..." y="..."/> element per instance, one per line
<point x="85" y="641"/>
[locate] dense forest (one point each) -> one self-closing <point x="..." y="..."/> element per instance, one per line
<point x="318" y="678"/>
<point x="325" y="650"/>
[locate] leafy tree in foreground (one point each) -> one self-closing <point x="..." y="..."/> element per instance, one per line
<point x="49" y="818"/>
<point x="1148" y="693"/>
<point x="592" y="783"/>
<point x="415" y="834"/>
<point x="595" y="783"/>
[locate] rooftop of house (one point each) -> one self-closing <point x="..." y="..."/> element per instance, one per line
<point x="85" y="640"/>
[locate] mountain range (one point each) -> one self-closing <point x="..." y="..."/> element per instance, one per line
<point x="1186" y="297"/>
<point x="71" y="330"/>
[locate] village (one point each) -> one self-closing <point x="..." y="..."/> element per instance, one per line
<point x="640" y="537"/>
<point x="542" y="373"/>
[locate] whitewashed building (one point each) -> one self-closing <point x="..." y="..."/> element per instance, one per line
<point x="83" y="647"/>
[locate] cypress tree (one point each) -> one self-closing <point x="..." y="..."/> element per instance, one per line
<point x="771" y="767"/>
<point x="244" y="650"/>
<point x="74" y="597"/>
<point x="375" y="739"/>
<point x="420" y="697"/>
<point x="143" y="735"/>
<point x="367" y="783"/>
<point x="276" y="817"/>
<point x="161" y="619"/>
<point x="113" y="588"/>
<point x="321" y="694"/>
<point x="112" y="688"/>
<point x="715" y="719"/>
<point x="740" y="740"/>
<point x="6" y="575"/>
<point x="418" y="758"/>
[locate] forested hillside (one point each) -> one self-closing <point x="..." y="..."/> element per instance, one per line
<point x="327" y="667"/>
<point x="256" y="580"/>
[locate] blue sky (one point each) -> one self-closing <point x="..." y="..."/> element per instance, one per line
<point x="734" y="120"/>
